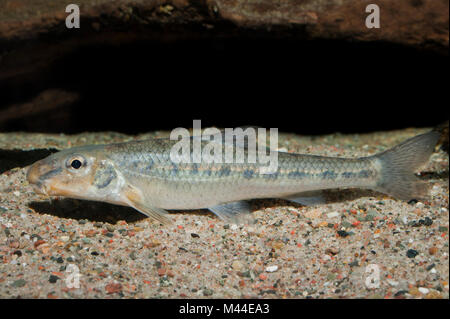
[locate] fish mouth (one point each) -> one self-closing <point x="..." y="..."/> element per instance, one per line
<point x="38" y="176"/>
<point x="40" y="188"/>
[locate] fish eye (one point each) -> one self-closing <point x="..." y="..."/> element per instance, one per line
<point x="75" y="162"/>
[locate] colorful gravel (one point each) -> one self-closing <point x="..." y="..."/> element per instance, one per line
<point x="361" y="244"/>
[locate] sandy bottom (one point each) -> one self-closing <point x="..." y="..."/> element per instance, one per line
<point x="360" y="244"/>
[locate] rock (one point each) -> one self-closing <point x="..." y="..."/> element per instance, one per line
<point x="19" y="283"/>
<point x="38" y="243"/>
<point x="332" y="214"/>
<point x="278" y="223"/>
<point x="428" y="221"/>
<point x="423" y="290"/>
<point x="336" y="20"/>
<point x="332" y="251"/>
<point x="64" y="238"/>
<point x="237" y="265"/>
<point x="342" y="233"/>
<point x="133" y="255"/>
<point x="53" y="279"/>
<point x="414" y="291"/>
<point x="277" y="244"/>
<point x="411" y="253"/>
<point x="313" y="214"/>
<point x="391" y="282"/>
<point x="371" y="215"/>
<point x="432" y="250"/>
<point x="271" y="268"/>
<point x="208" y="292"/>
<point x="161" y="271"/>
<point x="113" y="288"/>
<point x="433" y="295"/>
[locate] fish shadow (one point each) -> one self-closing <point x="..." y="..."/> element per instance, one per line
<point x="18" y="158"/>
<point x="350" y="194"/>
<point x="98" y="211"/>
<point x="331" y="196"/>
<point x="87" y="210"/>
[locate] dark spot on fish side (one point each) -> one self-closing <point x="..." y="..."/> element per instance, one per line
<point x="271" y="176"/>
<point x="364" y="173"/>
<point x="348" y="174"/>
<point x="248" y="173"/>
<point x="174" y="169"/>
<point x="297" y="174"/>
<point x="329" y="175"/>
<point x="149" y="165"/>
<point x="194" y="168"/>
<point x="225" y="171"/>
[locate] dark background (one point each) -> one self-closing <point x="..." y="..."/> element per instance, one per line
<point x="307" y="87"/>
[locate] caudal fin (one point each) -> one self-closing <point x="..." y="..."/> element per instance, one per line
<point x="399" y="164"/>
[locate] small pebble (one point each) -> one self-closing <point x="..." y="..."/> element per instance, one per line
<point x="53" y="279"/>
<point x="208" y="292"/>
<point x="411" y="253"/>
<point x="342" y="233"/>
<point x="332" y="214"/>
<point x="19" y="283"/>
<point x="237" y="265"/>
<point x="424" y="290"/>
<point x="64" y="238"/>
<point x="271" y="268"/>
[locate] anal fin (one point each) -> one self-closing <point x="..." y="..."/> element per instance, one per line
<point x="311" y="198"/>
<point x="234" y="212"/>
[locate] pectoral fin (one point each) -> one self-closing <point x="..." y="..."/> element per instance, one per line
<point x="235" y="212"/>
<point x="135" y="199"/>
<point x="307" y="198"/>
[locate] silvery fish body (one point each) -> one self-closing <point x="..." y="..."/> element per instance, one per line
<point x="148" y="166"/>
<point x="142" y="174"/>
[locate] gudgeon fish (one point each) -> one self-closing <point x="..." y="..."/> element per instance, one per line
<point x="141" y="174"/>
